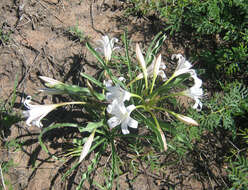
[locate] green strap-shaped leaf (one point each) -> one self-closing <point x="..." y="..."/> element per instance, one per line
<point x="51" y="127"/>
<point x="91" y="126"/>
<point x="96" y="54"/>
<point x="154" y="49"/>
<point x="92" y="79"/>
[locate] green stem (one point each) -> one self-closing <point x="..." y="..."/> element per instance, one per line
<point x="130" y="83"/>
<point x="166" y="110"/>
<point x="140" y="106"/>
<point x="136" y="96"/>
<point x="69" y="103"/>
<point x="166" y="82"/>
<point x="146" y="80"/>
<point x="153" y="82"/>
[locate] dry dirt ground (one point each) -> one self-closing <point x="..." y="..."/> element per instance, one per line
<point x="40" y="43"/>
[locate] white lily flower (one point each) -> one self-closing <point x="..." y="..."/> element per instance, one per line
<point x="109" y="83"/>
<point x="197" y="81"/>
<point x="183" y="66"/>
<point x="36" y="112"/>
<point x="107" y="46"/>
<point x="195" y="93"/>
<point x="116" y="92"/>
<point x="121" y="116"/>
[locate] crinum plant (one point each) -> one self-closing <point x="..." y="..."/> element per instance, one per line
<point x="127" y="99"/>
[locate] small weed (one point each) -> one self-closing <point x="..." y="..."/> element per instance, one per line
<point x="4" y="169"/>
<point x="4" y="37"/>
<point x="76" y="33"/>
<point x="8" y="117"/>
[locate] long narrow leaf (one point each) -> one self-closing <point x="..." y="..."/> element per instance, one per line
<point x="91" y="126"/>
<point x="60" y="125"/>
<point x="153" y="49"/>
<point x="130" y="73"/>
<point x="90" y="169"/>
<point x="92" y="79"/>
<point x="96" y="54"/>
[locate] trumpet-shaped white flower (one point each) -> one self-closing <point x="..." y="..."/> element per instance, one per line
<point x="36" y="112"/>
<point x="197" y="81"/>
<point x="121" y="116"/>
<point x="183" y="66"/>
<point x="116" y="92"/>
<point x="107" y="46"/>
<point x="195" y="93"/>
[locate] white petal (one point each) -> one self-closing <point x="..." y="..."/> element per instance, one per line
<point x="132" y="123"/>
<point x="122" y="79"/>
<point x="197" y="81"/>
<point x="183" y="66"/>
<point x="28" y="122"/>
<point x="124" y="128"/>
<point x="116" y="92"/>
<point x="118" y="109"/>
<point x="110" y="108"/>
<point x="27" y="102"/>
<point x="162" y="66"/>
<point x="109" y="96"/>
<point x="36" y="112"/>
<point x="113" y="41"/>
<point x="181" y="71"/>
<point x="162" y="75"/>
<point x="194" y="92"/>
<point x="107" y="46"/>
<point x="113" y="122"/>
<point x="105" y="40"/>
<point x="198" y="105"/>
<point x="182" y="62"/>
<point x="130" y="108"/>
<point x="126" y="96"/>
<point x="108" y="83"/>
<point x="25" y="113"/>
